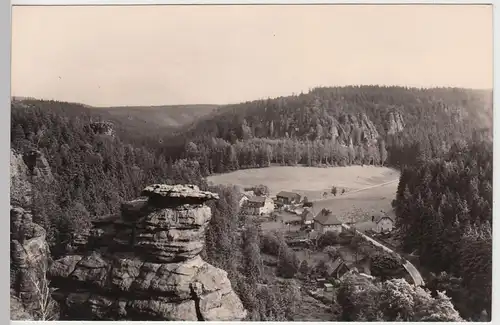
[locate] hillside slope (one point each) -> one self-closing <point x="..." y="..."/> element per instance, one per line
<point x="162" y="116"/>
<point x="338" y="126"/>
<point x="328" y="112"/>
<point x="143" y="125"/>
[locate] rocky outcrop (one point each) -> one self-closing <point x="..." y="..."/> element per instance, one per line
<point x="103" y="128"/>
<point x="38" y="165"/>
<point x="369" y="131"/>
<point x="29" y="255"/>
<point x="20" y="186"/>
<point x="352" y="129"/>
<point x="144" y="264"/>
<point x="395" y="123"/>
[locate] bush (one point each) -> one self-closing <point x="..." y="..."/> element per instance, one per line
<point x="271" y="243"/>
<point x="260" y="190"/>
<point x="331" y="251"/>
<point x="329" y="238"/>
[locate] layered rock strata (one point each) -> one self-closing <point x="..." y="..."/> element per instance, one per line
<point x="144" y="264"/>
<point x="29" y="256"/>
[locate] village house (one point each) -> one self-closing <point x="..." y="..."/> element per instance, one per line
<point x="258" y="205"/>
<point x="339" y="267"/>
<point x="287" y="198"/>
<point x="377" y="222"/>
<point x="327" y="221"/>
<point x="336" y="268"/>
<point x="245" y="196"/>
<point x="382" y="223"/>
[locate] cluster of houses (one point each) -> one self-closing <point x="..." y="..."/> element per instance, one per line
<point x="319" y="222"/>
<point x="264" y="205"/>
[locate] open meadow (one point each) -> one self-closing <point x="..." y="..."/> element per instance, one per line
<point x="309" y="181"/>
<point x="360" y="205"/>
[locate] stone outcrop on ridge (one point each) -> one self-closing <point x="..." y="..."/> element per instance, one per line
<point x="144" y="264"/>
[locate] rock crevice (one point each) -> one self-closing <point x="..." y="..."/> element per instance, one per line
<point x="144" y="264"/>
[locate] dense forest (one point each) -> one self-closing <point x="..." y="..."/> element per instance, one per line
<point x="444" y="209"/>
<point x="435" y="136"/>
<point x="336" y="126"/>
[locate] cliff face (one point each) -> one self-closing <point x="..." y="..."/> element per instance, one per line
<point x="144" y="264"/>
<point x="38" y="165"/>
<point x="29" y="256"/>
<point x="395" y="123"/>
<point x="20" y="186"/>
<point x="345" y="130"/>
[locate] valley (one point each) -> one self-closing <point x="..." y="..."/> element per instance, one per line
<point x="285" y="193"/>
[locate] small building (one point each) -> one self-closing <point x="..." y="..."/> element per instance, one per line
<point x="327" y="221"/>
<point x="258" y="205"/>
<point x="287" y="198"/>
<point x="382" y="223"/>
<point x="336" y="268"/>
<point x="307" y="217"/>
<point x="245" y="196"/>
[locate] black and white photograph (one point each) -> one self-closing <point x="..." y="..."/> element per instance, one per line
<point x="251" y="162"/>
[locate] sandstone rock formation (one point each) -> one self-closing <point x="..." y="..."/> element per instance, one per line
<point x="29" y="254"/>
<point x="144" y="264"/>
<point x="38" y="165"/>
<point x="104" y="128"/>
<point x="370" y="132"/>
<point x="20" y="186"/>
<point x="395" y="123"/>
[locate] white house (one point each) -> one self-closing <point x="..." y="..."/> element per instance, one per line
<point x="327" y="221"/>
<point x="258" y="205"/>
<point x="382" y="223"/>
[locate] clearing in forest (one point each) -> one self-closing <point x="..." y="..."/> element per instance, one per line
<point x="309" y="181"/>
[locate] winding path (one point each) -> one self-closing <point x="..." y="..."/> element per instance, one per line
<point x="410" y="268"/>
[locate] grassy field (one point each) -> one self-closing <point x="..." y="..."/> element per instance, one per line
<point x="309" y="181"/>
<point x="372" y="189"/>
<point x="359" y="206"/>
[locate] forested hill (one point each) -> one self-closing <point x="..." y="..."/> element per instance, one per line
<point x="336" y="126"/>
<point x="142" y="125"/>
<point x="166" y="116"/>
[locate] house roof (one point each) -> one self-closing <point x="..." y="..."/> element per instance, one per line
<point x="327" y="218"/>
<point x="380" y="216"/>
<point x="290" y="195"/>
<point x="333" y="266"/>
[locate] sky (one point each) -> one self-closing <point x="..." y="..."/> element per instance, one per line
<point x="167" y="55"/>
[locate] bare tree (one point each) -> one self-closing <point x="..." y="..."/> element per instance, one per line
<point x="45" y="308"/>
